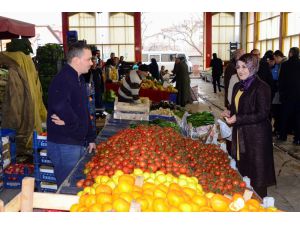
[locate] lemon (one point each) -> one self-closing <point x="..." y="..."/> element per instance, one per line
<point x="146" y="175"/>
<point x="104" y="179"/>
<point x="98" y="179"/>
<point x="119" y="172"/>
<point x="161" y="178"/>
<point x="137" y="172"/>
<point x="111" y="184"/>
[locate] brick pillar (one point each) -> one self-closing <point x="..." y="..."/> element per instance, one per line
<point x="207" y="38"/>
<point x="137" y="37"/>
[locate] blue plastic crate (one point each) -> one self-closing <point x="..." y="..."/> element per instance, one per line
<point x="39" y="141"/>
<point x="45" y="161"/>
<point x="14" y="181"/>
<point x="48" y="177"/>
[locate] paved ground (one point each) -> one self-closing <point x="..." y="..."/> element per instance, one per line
<point x="286" y="155"/>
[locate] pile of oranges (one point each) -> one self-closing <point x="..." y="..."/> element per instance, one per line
<point x="157" y="192"/>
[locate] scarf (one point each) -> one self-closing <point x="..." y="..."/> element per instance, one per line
<point x="245" y="84"/>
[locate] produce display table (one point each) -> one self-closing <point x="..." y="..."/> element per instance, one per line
<point x="153" y="95"/>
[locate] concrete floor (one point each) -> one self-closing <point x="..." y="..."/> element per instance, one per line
<point x="286" y="155"/>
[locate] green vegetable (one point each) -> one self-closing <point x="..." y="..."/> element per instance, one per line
<point x="200" y="119"/>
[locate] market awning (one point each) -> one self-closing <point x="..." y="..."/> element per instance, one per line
<point x="10" y="28"/>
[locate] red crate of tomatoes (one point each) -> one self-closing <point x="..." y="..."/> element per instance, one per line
<point x="14" y="174"/>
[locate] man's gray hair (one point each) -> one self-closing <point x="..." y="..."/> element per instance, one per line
<point x="76" y="50"/>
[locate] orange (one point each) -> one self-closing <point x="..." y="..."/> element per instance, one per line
<point x="163" y="187"/>
<point x="185" y="207"/>
<point x="219" y="203"/>
<point x="189" y="191"/>
<point x="103" y="188"/>
<point x="174" y="186"/>
<point x="127" y="178"/>
<point x="82" y="209"/>
<point x="115" y="196"/>
<point x="237" y="196"/>
<point x="121" y="205"/>
<point x="90" y="200"/>
<point x="149" y="198"/>
<point x="137" y="189"/>
<point x="106" y="207"/>
<point x="205" y="209"/>
<point x="186" y="197"/>
<point x="148" y="192"/>
<point x="174" y="198"/>
<point x="136" y="194"/>
<point x="148" y="185"/>
<point x="143" y="202"/>
<point x="125" y="186"/>
<point x="74" y="207"/>
<point x="253" y="204"/>
<point x="159" y="193"/>
<point x="160" y="205"/>
<point x="82" y="199"/>
<point x="195" y="207"/>
<point x="104" y="198"/>
<point x="173" y="209"/>
<point x="126" y="196"/>
<point x="200" y="200"/>
<point x="95" y="208"/>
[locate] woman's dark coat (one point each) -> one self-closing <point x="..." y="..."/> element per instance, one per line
<point x="255" y="134"/>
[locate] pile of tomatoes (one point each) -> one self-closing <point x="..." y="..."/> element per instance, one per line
<point x="153" y="148"/>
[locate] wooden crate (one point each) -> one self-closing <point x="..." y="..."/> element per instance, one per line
<point x="28" y="200"/>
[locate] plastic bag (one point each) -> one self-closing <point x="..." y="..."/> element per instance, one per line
<point x="225" y="130"/>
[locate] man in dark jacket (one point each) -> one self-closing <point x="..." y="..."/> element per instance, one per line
<point x="217" y="70"/>
<point x="154" y="70"/>
<point x="264" y="71"/>
<point x="289" y="92"/>
<point x="68" y="120"/>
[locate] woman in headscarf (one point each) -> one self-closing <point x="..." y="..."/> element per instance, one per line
<point x="252" y="132"/>
<point x="153" y="69"/>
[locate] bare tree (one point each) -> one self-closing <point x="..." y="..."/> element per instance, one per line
<point x="189" y="31"/>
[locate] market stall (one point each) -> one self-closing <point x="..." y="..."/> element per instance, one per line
<point x="153" y="95"/>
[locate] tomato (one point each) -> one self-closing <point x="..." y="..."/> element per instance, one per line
<point x="242" y="184"/>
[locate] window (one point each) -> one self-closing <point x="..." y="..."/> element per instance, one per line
<point x="168" y="57"/>
<point x="292" y="33"/>
<point x="268" y="31"/>
<point x="225" y="29"/>
<point x="157" y="57"/>
<point x="110" y="32"/>
<point x="145" y="58"/>
<point x="250" y="31"/>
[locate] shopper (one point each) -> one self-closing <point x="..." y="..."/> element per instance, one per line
<point x="229" y="71"/>
<point x="154" y="70"/>
<point x="130" y="87"/>
<point x="183" y="82"/>
<point x="252" y="133"/>
<point x="217" y="70"/>
<point x="276" y="104"/>
<point x="289" y="92"/>
<point x="94" y="78"/>
<point x="68" y="121"/>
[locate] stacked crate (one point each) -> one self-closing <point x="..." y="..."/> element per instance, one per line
<point x="43" y="168"/>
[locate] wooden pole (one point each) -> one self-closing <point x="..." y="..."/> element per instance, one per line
<point x="27" y="194"/>
<point x="1" y="206"/>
